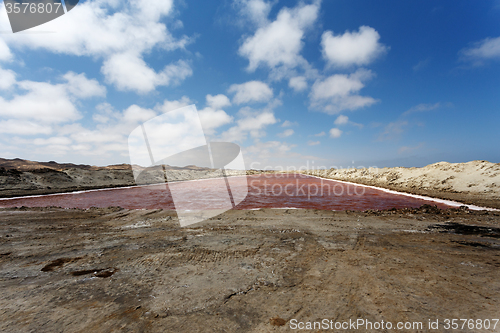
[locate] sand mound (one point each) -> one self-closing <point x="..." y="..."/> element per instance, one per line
<point x="472" y="182"/>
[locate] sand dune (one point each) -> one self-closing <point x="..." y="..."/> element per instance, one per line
<point x="475" y="182"/>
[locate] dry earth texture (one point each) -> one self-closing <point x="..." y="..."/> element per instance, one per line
<point x="20" y="177"/>
<point x="109" y="270"/>
<point x="475" y="182"/>
<point x="116" y="270"/>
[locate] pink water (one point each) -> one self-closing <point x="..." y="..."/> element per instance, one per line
<point x="264" y="191"/>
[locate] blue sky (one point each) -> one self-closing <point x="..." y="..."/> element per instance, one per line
<point x="313" y="83"/>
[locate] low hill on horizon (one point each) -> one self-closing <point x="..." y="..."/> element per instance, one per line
<point x="27" y="165"/>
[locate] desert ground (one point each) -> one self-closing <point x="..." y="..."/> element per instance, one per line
<point x="117" y="270"/>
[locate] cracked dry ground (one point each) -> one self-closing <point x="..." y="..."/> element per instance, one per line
<point x="104" y="270"/>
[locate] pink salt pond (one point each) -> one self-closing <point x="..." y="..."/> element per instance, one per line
<point x="264" y="191"/>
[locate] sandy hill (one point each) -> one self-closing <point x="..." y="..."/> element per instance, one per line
<point x="472" y="182"/>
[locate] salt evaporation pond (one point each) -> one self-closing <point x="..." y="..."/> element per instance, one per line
<point x="264" y="191"/>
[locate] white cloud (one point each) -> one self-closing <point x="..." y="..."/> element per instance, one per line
<point x="105" y="142"/>
<point x="313" y="143"/>
<point x="50" y="103"/>
<point x="340" y="92"/>
<point x="352" y="48"/>
<point x="218" y="101"/>
<point x="256" y="11"/>
<point x="288" y="123"/>
<point x="173" y="105"/>
<point x="422" y="108"/>
<point x="136" y="114"/>
<point x="56" y="140"/>
<point x="97" y="137"/>
<point x="286" y="133"/>
<point x="252" y="91"/>
<point x="43" y="102"/>
<point x="23" y="127"/>
<point x="279" y="42"/>
<point x="81" y="87"/>
<point x="5" y="54"/>
<point x="98" y="28"/>
<point x="120" y="33"/>
<point x="265" y="154"/>
<point x="320" y="134"/>
<point x="257" y="122"/>
<point x="212" y="119"/>
<point x="487" y="49"/>
<point x="7" y="78"/>
<point x="105" y="112"/>
<point x="252" y="123"/>
<point x="341" y="120"/>
<point x="298" y="83"/>
<point x="130" y="72"/>
<point x="335" y="133"/>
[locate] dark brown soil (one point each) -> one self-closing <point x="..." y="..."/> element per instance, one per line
<point x="107" y="270"/>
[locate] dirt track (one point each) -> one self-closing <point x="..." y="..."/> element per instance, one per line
<point x="103" y="270"/>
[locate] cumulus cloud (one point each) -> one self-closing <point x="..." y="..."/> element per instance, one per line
<point x="136" y="114"/>
<point x="81" y="87"/>
<point x="113" y="127"/>
<point x="7" y="78"/>
<point x="130" y="72"/>
<point x="313" y="143"/>
<point x="211" y="119"/>
<point x="105" y="112"/>
<point x="252" y="91"/>
<point x="50" y="103"/>
<point x="341" y="120"/>
<point x="298" y="83"/>
<point x="278" y="43"/>
<point x="340" y="92"/>
<point x="252" y="123"/>
<point x="23" y="127"/>
<point x="105" y="141"/>
<point x="352" y="48"/>
<point x="5" y="54"/>
<point x="288" y="123"/>
<point x="256" y="11"/>
<point x="265" y="154"/>
<point x="482" y="51"/>
<point x="56" y="140"/>
<point x="119" y="33"/>
<point x="320" y="134"/>
<point x="218" y="101"/>
<point x="169" y="105"/>
<point x="286" y="133"/>
<point x="335" y="133"/>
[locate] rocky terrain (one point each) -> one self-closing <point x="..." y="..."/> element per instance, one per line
<point x="110" y="270"/>
<point x="21" y="177"/>
<point x="475" y="182"/>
